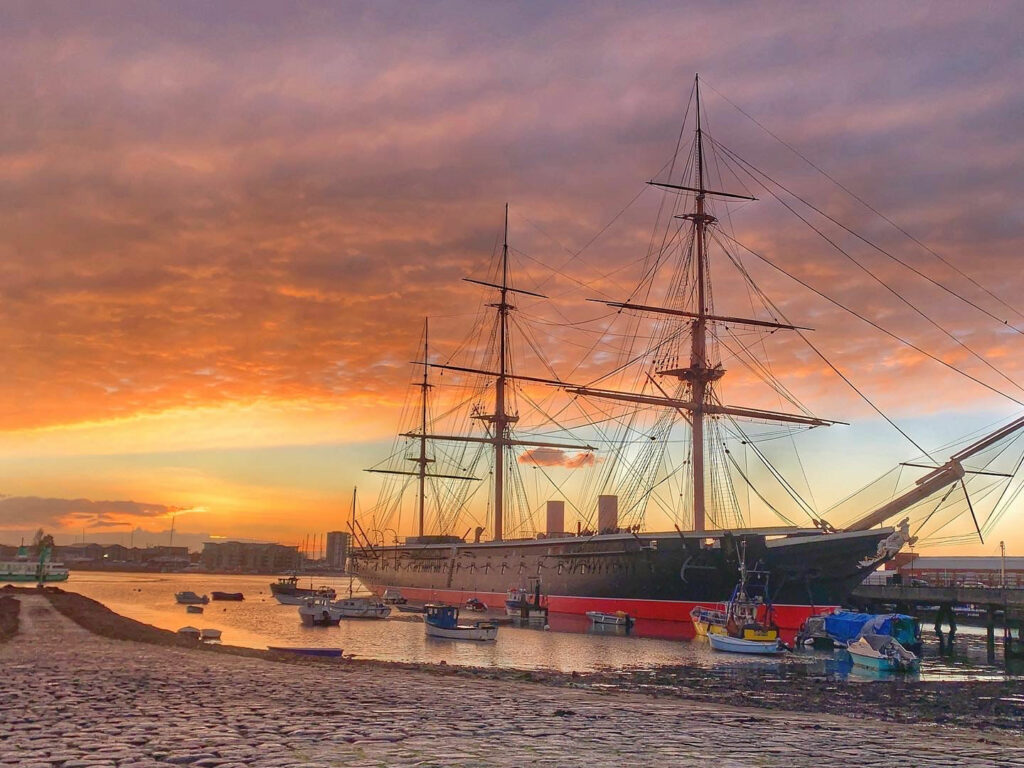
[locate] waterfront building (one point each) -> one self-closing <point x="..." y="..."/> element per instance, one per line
<point x="248" y="556"/>
<point x="958" y="571"/>
<point x="337" y="549"/>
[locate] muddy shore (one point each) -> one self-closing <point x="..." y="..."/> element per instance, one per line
<point x="980" y="705"/>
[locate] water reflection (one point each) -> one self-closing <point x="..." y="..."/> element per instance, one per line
<point x="567" y="643"/>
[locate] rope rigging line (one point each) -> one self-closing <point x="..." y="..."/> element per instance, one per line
<point x="809" y="343"/>
<point x="868" y="272"/>
<point x="876" y="326"/>
<point x="871" y="208"/>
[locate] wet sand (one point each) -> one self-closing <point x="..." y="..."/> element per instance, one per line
<point x="119" y="693"/>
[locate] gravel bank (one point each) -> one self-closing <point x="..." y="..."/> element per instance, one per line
<point x="85" y="700"/>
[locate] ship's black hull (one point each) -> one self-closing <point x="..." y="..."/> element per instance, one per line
<point x="654" y="575"/>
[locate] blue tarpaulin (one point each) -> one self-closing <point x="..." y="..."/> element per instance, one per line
<point x="845" y="626"/>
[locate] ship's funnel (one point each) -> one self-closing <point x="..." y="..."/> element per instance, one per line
<point x="607" y="514"/>
<point x="556" y="518"/>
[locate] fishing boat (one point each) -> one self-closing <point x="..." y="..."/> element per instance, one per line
<point x="618" y="619"/>
<point x="705" y="620"/>
<point x="745" y="624"/>
<point x="882" y="653"/>
<point x="651" y="433"/>
<point x="231" y="596"/>
<point x="319" y="612"/>
<point x="303" y="651"/>
<point x="286" y="590"/>
<point x="730" y="644"/>
<point x="190" y="598"/>
<point x="443" y="621"/>
<point x="527" y="604"/>
<point x="393" y="597"/>
<point x="361" y="608"/>
<point x="24" y="569"/>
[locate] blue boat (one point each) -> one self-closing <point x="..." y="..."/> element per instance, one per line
<point x="322" y="652"/>
<point x="882" y="653"/>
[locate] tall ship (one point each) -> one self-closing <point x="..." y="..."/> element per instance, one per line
<point x="647" y="437"/>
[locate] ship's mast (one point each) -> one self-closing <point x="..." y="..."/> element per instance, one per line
<point x="698" y="344"/>
<point x="501" y="419"/>
<point x="422" y="461"/>
<point x="499" y="436"/>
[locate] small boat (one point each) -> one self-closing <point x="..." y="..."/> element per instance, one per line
<point x="288" y="592"/>
<point x="362" y="608"/>
<point x="209" y="634"/>
<point x="190" y="598"/>
<point x="732" y="644"/>
<point x="393" y="597"/>
<point x="619" y="618"/>
<point x="193" y="609"/>
<point x="708" y="620"/>
<point x="192" y="633"/>
<point x="227" y="596"/>
<point x="443" y="621"/>
<point x="518" y="602"/>
<point x="319" y="612"/>
<point x="883" y="653"/>
<point x="323" y="652"/>
<point x="476" y="604"/>
<point x="747" y="626"/>
<point x="840" y="628"/>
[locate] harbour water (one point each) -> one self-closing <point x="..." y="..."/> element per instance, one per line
<point x="571" y="643"/>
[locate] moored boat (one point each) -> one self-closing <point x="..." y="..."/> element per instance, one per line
<point x="443" y="621"/>
<point x="286" y="590"/>
<point x="361" y="608"/>
<point x="730" y="644"/>
<point x="192" y="633"/>
<point x="882" y="653"/>
<point x="303" y="651"/>
<point x="619" y="618"/>
<point x="209" y="634"/>
<point x="193" y="609"/>
<point x="319" y="612"/>
<point x="235" y="596"/>
<point x="747" y="626"/>
<point x="190" y="598"/>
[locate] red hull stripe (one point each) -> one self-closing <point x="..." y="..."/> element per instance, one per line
<point x="786" y="616"/>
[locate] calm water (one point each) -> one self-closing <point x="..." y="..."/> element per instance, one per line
<point x="570" y="645"/>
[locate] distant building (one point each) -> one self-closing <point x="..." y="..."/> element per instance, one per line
<point x="951" y="571"/>
<point x="246" y="556"/>
<point x="337" y="549"/>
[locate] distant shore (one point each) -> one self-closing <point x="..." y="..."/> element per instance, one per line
<point x="985" y="704"/>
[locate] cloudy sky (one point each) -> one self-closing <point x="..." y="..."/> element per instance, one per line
<point x="221" y="224"/>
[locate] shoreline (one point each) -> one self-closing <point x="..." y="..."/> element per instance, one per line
<point x="980" y="705"/>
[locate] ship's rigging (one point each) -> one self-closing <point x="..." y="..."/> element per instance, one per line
<point x="629" y="414"/>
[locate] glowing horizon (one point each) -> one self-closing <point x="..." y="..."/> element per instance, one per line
<point x="224" y="225"/>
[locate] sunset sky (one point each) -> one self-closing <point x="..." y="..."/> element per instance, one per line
<point x="223" y="224"/>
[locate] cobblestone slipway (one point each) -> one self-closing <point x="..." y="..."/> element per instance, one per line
<point x="72" y="699"/>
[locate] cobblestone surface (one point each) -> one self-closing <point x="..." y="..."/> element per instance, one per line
<point x="75" y="700"/>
